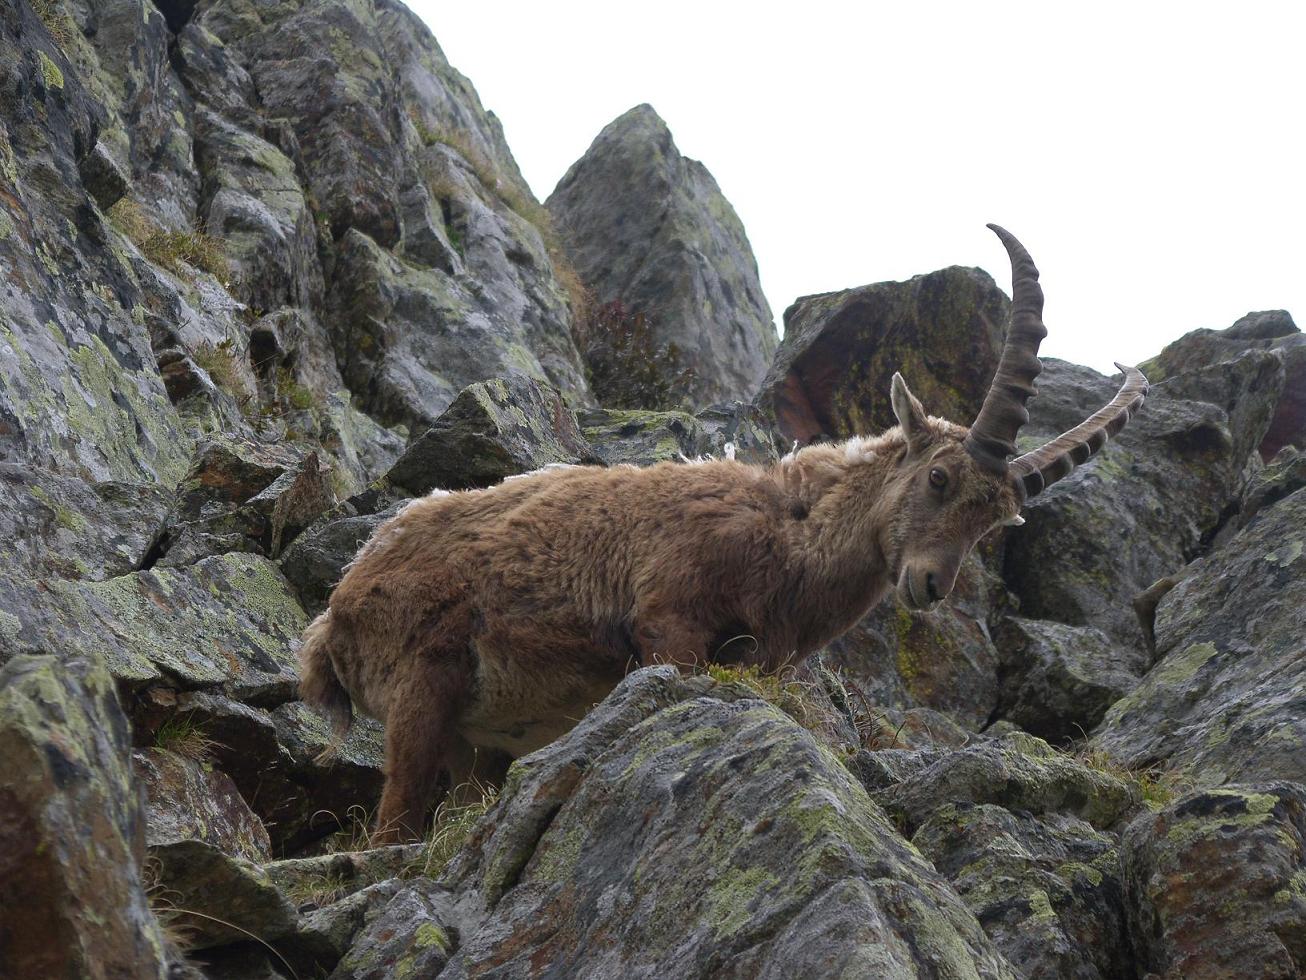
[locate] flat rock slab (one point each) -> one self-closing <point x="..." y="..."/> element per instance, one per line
<point x="229" y="621"/>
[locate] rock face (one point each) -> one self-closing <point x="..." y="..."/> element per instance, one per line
<point x="72" y="830"/>
<point x="268" y="270"/>
<point x="1269" y="330"/>
<point x="681" y="830"/>
<point x="650" y="229"/>
<point x="1226" y="701"/>
<point x="1142" y="509"/>
<point x="831" y="375"/>
<point x="1215" y="884"/>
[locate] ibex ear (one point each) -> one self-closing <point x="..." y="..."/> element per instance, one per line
<point x="911" y="415"/>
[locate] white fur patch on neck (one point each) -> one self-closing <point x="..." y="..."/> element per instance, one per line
<point x="862" y="449"/>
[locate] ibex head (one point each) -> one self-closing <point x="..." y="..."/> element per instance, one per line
<point x="954" y="484"/>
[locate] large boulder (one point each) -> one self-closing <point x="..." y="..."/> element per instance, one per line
<point x="1214" y="883"/>
<point x="649" y="229"/>
<point x="1047" y="889"/>
<point x="72" y="827"/>
<point x="1267" y="330"/>
<point x="57" y="526"/>
<point x="1016" y="771"/>
<point x="1057" y="681"/>
<point x="684" y="828"/>
<point x="1227" y="699"/>
<point x="1145" y="506"/>
<point x="831" y="376"/>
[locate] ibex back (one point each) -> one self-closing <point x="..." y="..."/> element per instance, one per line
<point x="481" y="625"/>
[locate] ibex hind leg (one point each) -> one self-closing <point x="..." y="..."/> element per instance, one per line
<point x="421" y="743"/>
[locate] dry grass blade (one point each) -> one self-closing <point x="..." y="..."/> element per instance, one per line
<point x="454" y="820"/>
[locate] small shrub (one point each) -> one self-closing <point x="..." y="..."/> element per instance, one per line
<point x="182" y="736"/>
<point x="628" y="368"/>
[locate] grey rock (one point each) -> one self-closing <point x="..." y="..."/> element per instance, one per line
<point x="72" y="827"/>
<point x="188" y="800"/>
<point x="64" y="527"/>
<point x="413" y="929"/>
<point x="1016" y="771"/>
<point x="1270" y="330"/>
<point x="831" y="376"/>
<point x="642" y="437"/>
<point x="1227" y="699"/>
<point x="315" y="561"/>
<point x="1057" y="681"/>
<point x="409" y="339"/>
<point x="1145" y="506"/>
<point x="944" y="660"/>
<point x="650" y="229"/>
<point x="1285" y="474"/>
<point x="493" y="430"/>
<point x="1047" y="889"/>
<point x="219" y="898"/>
<point x="103" y="176"/>
<point x="684" y="828"/>
<point x="243" y="496"/>
<point x="275" y="759"/>
<point x="226" y="621"/>
<point x="1214" y="884"/>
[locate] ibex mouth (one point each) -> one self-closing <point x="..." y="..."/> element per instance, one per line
<point x="913" y="594"/>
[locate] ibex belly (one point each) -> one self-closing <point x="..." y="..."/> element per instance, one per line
<point x="519" y="710"/>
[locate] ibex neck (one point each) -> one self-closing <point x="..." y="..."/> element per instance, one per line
<point x="840" y="531"/>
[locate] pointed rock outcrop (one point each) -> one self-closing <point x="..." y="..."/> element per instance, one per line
<point x="650" y="230"/>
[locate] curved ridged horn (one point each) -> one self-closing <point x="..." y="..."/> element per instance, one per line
<point x="1049" y="463"/>
<point x="992" y="437"/>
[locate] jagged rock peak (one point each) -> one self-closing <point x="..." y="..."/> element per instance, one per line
<point x="649" y="229"/>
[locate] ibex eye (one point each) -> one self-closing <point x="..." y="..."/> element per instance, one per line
<point x="938" y="478"/>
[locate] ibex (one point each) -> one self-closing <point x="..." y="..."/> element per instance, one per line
<point x="492" y="619"/>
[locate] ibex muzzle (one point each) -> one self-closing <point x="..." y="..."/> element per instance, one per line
<point x="481" y="625"/>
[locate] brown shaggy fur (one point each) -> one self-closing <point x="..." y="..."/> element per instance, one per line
<point x="483" y="624"/>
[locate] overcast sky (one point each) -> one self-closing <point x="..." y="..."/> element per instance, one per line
<point x="1149" y="155"/>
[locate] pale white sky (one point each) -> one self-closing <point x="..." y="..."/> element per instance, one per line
<point x="1149" y="154"/>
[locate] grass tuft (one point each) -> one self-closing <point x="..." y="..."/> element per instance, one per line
<point x="455" y="818"/>
<point x="802" y="700"/>
<point x="1158" y="787"/>
<point x="320" y="890"/>
<point x="221" y="361"/>
<point x="183" y="736"/>
<point x="172" y="250"/>
<point x="57" y="23"/>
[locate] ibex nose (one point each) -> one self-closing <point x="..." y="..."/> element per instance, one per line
<point x="932" y="587"/>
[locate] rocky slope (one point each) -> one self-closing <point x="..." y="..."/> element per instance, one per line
<point x="267" y="271"/>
